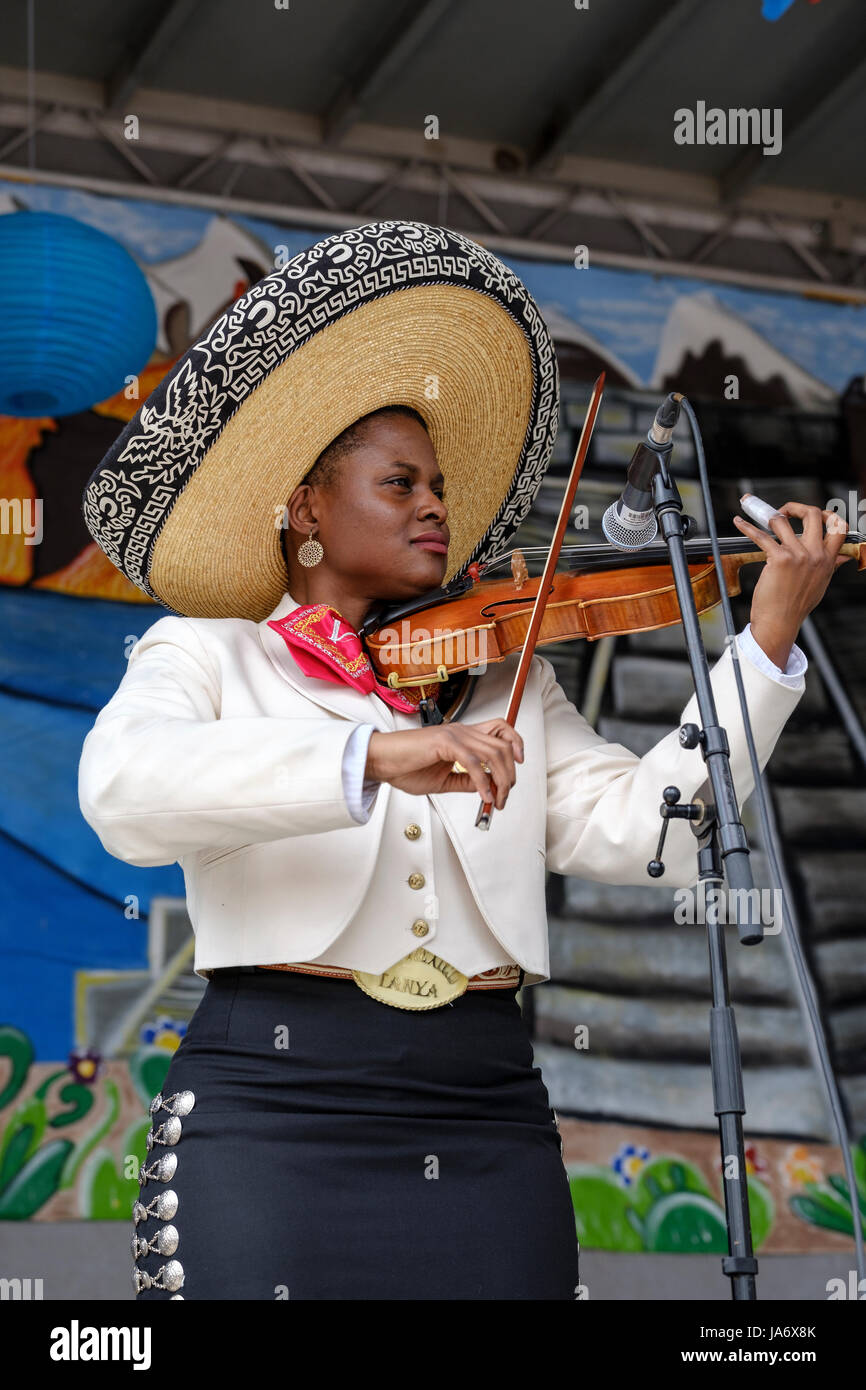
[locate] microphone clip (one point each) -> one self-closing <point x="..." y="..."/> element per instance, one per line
<point x="672" y="809"/>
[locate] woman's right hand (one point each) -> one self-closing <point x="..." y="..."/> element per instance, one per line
<point x="421" y="760"/>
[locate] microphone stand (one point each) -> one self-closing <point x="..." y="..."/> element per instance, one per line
<point x="721" y="841"/>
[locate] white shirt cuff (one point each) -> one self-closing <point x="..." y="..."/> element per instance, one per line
<point x="793" y="674"/>
<point x="358" y="791"/>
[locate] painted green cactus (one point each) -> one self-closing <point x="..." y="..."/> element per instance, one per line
<point x="34" y="1164"/>
<point x="107" y="1190"/>
<point x="828" y="1204"/>
<point x="31" y="1170"/>
<point x="668" y="1209"/>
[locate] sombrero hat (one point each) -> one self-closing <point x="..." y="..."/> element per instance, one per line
<point x="188" y="502"/>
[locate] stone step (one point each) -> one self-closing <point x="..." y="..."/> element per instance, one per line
<point x="843" y="631"/>
<point x="845" y="595"/>
<point x="805" y="756"/>
<point x="840" y="967"/>
<point x="785" y="1100"/>
<point x="847" y="1029"/>
<point x="663" y="1028"/>
<point x="822" y="815"/>
<point x="636" y="734"/>
<point x="833" y="882"/>
<point x="840" y="615"/>
<point x="647" y="687"/>
<point x="777" y="491"/>
<point x="587" y="900"/>
<point x="812" y="755"/>
<point x="671" y="962"/>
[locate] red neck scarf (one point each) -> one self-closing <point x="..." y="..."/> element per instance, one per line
<point x="324" y="645"/>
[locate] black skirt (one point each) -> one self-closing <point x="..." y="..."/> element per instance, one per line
<point x="312" y="1143"/>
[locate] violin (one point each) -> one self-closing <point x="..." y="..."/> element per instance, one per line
<point x="602" y="592"/>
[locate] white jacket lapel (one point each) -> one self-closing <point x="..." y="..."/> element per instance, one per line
<point x="335" y="696"/>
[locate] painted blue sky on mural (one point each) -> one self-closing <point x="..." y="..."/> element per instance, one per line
<point x="625" y="310"/>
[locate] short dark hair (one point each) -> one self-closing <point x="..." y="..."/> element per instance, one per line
<point x="324" y="470"/>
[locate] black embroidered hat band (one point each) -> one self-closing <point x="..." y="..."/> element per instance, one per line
<point x="188" y="502"/>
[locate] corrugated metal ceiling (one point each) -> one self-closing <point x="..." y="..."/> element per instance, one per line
<point x="552" y="100"/>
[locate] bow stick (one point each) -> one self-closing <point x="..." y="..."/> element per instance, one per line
<point x="485" y="812"/>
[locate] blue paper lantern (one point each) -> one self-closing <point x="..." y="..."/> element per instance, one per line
<point x="76" y="315"/>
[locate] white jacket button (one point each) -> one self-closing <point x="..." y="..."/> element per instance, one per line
<point x="417" y="880"/>
<point x="412" y="832"/>
<point x="420" y="928"/>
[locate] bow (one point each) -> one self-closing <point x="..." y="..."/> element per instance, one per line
<point x="485" y="812"/>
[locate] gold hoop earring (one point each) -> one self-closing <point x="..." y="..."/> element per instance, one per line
<point x="310" y="552"/>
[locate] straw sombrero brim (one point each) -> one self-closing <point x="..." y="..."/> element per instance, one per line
<point x="189" y="502"/>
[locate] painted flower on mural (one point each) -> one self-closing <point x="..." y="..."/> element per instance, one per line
<point x="756" y="1164"/>
<point x="85" y="1065"/>
<point x="164" y="1032"/>
<point x="801" y="1167"/>
<point x="628" y="1161"/>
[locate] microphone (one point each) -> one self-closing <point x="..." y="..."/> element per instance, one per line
<point x="630" y="523"/>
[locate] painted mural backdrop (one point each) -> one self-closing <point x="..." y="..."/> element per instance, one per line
<point x="96" y="980"/>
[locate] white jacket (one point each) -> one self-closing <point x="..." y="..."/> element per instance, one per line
<point x="217" y="752"/>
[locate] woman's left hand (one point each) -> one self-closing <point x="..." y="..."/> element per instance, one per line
<point x="796" y="574"/>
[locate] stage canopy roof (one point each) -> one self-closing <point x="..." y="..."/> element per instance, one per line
<point x="553" y="125"/>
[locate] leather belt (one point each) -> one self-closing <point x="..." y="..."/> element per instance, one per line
<point x="422" y="980"/>
<point x="499" y="977"/>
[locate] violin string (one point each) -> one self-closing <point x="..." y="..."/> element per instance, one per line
<point x="599" y="554"/>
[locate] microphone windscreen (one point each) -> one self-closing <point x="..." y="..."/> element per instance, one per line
<point x="624" y="536"/>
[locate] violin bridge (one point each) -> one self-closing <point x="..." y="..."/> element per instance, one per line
<point x="519" y="571"/>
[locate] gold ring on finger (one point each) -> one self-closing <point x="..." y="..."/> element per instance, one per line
<point x="458" y="767"/>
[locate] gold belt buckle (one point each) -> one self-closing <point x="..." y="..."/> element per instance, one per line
<point x="420" y="980"/>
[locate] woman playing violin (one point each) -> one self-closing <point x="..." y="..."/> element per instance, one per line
<point x="382" y="519"/>
<point x="354" y="1111"/>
